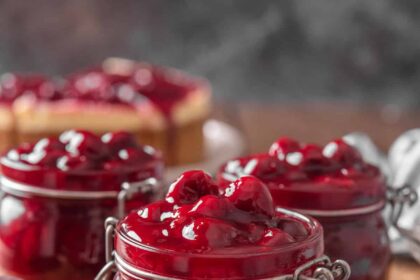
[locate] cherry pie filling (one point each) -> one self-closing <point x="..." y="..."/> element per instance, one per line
<point x="46" y="236"/>
<point x="163" y="87"/>
<point x="322" y="181"/>
<point x="203" y="231"/>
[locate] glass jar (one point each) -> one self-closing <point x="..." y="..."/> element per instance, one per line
<point x="353" y="222"/>
<point x="361" y="239"/>
<point x="334" y="185"/>
<point x="132" y="260"/>
<point x="51" y="220"/>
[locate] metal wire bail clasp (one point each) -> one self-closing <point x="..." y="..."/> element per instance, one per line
<point x="105" y="273"/>
<point x="128" y="189"/>
<point x="400" y="198"/>
<point x="323" y="269"/>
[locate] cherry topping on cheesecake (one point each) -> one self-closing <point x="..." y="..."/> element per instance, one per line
<point x="197" y="215"/>
<point x="315" y="176"/>
<point x="15" y="85"/>
<point x="163" y="87"/>
<point x="139" y="82"/>
<point x="114" y="156"/>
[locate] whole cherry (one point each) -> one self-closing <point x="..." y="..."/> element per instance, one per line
<point x="276" y="237"/>
<point x="282" y="147"/>
<point x="342" y="153"/>
<point x="205" y="232"/>
<point x="119" y="140"/>
<point x="80" y="142"/>
<point x="190" y="186"/>
<point x="74" y="163"/>
<point x="154" y="212"/>
<point x="211" y="206"/>
<point x="250" y="194"/>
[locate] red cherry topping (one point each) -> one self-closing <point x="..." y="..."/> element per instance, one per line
<point x="83" y="143"/>
<point x="251" y="195"/>
<point x="341" y="152"/>
<point x="196" y="217"/>
<point x="190" y="186"/>
<point x="275" y="237"/>
<point x="109" y="84"/>
<point x="204" y="233"/>
<point x="293" y="228"/>
<point x="155" y="212"/>
<point x="48" y="144"/>
<point x="282" y="147"/>
<point x="83" y="151"/>
<point x="48" y="159"/>
<point x="119" y="140"/>
<point x="288" y="162"/>
<point x="211" y="206"/>
<point x="13" y="86"/>
<point x="76" y="163"/>
<point x="132" y="155"/>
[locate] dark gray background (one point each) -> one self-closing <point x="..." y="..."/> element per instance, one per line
<point x="291" y="50"/>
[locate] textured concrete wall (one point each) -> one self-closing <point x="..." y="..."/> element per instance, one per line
<point x="281" y="49"/>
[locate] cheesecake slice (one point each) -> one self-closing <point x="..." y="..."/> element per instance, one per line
<point x="163" y="107"/>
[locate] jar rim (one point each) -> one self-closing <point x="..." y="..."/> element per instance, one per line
<point x="350" y="212"/>
<point x="315" y="235"/>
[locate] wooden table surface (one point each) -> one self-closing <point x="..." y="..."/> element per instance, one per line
<point x="319" y="123"/>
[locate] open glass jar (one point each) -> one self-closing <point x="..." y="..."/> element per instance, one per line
<point x="202" y="232"/>
<point x="334" y="185"/>
<point x="56" y="195"/>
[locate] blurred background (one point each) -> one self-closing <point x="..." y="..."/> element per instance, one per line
<point x="285" y="50"/>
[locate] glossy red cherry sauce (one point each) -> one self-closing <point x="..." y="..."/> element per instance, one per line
<point x="203" y="231"/>
<point x="163" y="87"/>
<point x="14" y="85"/>
<point x="82" y="161"/>
<point x="50" y="237"/>
<point x="334" y="177"/>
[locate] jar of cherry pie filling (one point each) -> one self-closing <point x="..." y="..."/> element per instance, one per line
<point x="334" y="185"/>
<point x="203" y="231"/>
<point x="56" y="195"/>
